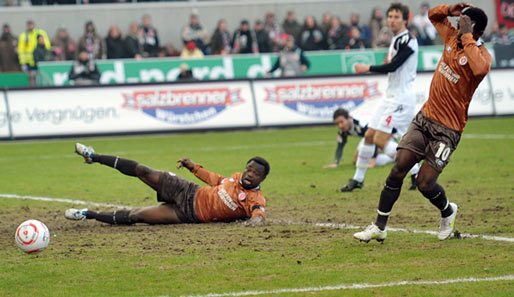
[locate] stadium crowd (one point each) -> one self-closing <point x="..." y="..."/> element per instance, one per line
<point x="22" y="52"/>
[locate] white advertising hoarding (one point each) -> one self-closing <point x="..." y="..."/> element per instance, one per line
<point x="503" y="90"/>
<point x="131" y="109"/>
<point x="4" y="118"/>
<point x="313" y="100"/>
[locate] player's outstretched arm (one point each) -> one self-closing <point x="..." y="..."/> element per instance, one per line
<point x="210" y="178"/>
<point x="479" y="59"/>
<point x="255" y="221"/>
<point x="186" y="163"/>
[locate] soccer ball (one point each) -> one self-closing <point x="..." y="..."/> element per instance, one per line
<point x="32" y="236"/>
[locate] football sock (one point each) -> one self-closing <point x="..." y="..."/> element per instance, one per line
<point x="388" y="197"/>
<point x="437" y="197"/>
<point x="390" y="148"/>
<point x="383" y="159"/>
<point x="415" y="169"/>
<point x="125" y="166"/>
<point x="365" y="154"/>
<point x="118" y="217"/>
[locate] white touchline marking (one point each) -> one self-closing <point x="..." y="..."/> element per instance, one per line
<point x="360" y="286"/>
<point x="326" y="225"/>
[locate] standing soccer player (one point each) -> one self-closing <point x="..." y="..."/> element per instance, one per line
<point x="436" y="130"/>
<point x="396" y="111"/>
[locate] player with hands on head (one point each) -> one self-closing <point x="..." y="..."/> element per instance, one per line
<point x="436" y="130"/>
<point x="237" y="197"/>
<point x="396" y="110"/>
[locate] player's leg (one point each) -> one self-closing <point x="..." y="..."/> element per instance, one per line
<point x="365" y="153"/>
<point x="155" y="214"/>
<point x="126" y="166"/>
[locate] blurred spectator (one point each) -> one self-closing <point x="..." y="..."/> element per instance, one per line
<point x="385" y="35"/>
<point x="133" y="48"/>
<point x="376" y="24"/>
<point x="274" y="31"/>
<point x="291" y="26"/>
<point x="365" y="33"/>
<point x="311" y="36"/>
<point x="194" y="31"/>
<point x="336" y="37"/>
<point x="91" y="42"/>
<point x="168" y="51"/>
<point x="356" y="41"/>
<point x="427" y="31"/>
<point x="41" y="52"/>
<point x="8" y="56"/>
<point x="190" y="51"/>
<point x="291" y="60"/>
<point x="326" y="22"/>
<point x="149" y="37"/>
<point x="495" y="29"/>
<point x="220" y="40"/>
<point x="64" y="45"/>
<point x="244" y="41"/>
<point x="84" y="71"/>
<point x="263" y="39"/>
<point x="114" y="44"/>
<point x="185" y="73"/>
<point x="502" y="37"/>
<point x="27" y="43"/>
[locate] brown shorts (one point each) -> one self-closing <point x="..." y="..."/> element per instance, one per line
<point x="180" y="194"/>
<point x="430" y="141"/>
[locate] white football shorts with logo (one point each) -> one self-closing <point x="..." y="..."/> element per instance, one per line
<point x="389" y="115"/>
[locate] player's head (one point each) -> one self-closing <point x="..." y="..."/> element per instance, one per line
<point x="397" y="17"/>
<point x="256" y="171"/>
<point x="478" y="18"/>
<point x="342" y="119"/>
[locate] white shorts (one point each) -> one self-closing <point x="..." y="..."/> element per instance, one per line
<point x="389" y="115"/>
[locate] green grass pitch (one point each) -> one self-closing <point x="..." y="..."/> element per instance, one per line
<point x="88" y="258"/>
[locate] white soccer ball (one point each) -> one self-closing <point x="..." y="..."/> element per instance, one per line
<point x="32" y="236"/>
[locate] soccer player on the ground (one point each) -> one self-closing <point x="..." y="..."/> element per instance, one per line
<point x="350" y="126"/>
<point x="396" y="110"/>
<point x="436" y="130"/>
<point x="225" y="199"/>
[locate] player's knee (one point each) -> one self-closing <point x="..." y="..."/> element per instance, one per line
<point x="397" y="173"/>
<point x="424" y="186"/>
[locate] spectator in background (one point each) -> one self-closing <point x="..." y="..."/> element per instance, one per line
<point x="336" y="37"/>
<point x="291" y="60"/>
<point x="42" y="53"/>
<point x="495" y="29"/>
<point x="365" y="33"/>
<point x="291" y="26"/>
<point x="114" y="44"/>
<point x="133" y="48"/>
<point x="185" y="73"/>
<point x="64" y="45"/>
<point x="263" y="39"/>
<point x="385" y="35"/>
<point x="148" y="37"/>
<point x="274" y="31"/>
<point x="168" y="51"/>
<point x="84" y="71"/>
<point x="311" y="36"/>
<point x="427" y="31"/>
<point x="356" y="41"/>
<point x="502" y="37"/>
<point x="91" y="42"/>
<point x="376" y="24"/>
<point x="326" y="22"/>
<point x="220" y="40"/>
<point x="195" y="32"/>
<point x="190" y="51"/>
<point x="8" y="55"/>
<point x="244" y="41"/>
<point x="27" y="43"/>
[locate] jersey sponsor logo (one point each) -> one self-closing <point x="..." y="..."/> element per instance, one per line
<point x="226" y="199"/>
<point x="448" y="73"/>
<point x="320" y="100"/>
<point x="242" y="196"/>
<point x="463" y="60"/>
<point x="183" y="106"/>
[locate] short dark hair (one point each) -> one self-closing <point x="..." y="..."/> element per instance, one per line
<point x="478" y="16"/>
<point x="404" y="9"/>
<point x="262" y="162"/>
<point x="341" y="112"/>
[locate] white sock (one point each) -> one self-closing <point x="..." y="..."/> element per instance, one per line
<point x="415" y="169"/>
<point x="365" y="154"/>
<point x="383" y="159"/>
<point x="390" y="148"/>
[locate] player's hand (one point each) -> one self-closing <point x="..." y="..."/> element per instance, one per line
<point x="465" y="24"/>
<point x="361" y="68"/>
<point x="187" y="163"/>
<point x="456" y="9"/>
<point x="333" y="165"/>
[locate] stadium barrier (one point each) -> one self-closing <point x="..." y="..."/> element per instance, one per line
<point x="208" y="105"/>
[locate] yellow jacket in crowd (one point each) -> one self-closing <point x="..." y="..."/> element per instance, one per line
<point x="27" y="43"/>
